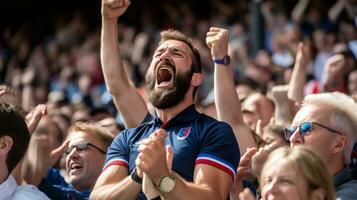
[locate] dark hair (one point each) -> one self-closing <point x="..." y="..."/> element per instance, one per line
<point x="14" y="126"/>
<point x="196" y="57"/>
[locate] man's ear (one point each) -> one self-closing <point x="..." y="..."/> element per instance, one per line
<point x="197" y="79"/>
<point x="340" y="144"/>
<point x="5" y="144"/>
<point x="317" y="194"/>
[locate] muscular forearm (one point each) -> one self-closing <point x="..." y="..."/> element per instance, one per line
<point x="115" y="77"/>
<point x="227" y="102"/>
<point x="112" y="64"/>
<point x="229" y="107"/>
<point x="125" y="189"/>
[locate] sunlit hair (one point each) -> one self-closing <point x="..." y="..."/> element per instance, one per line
<point x="343" y="115"/>
<point x="97" y="131"/>
<point x="306" y="164"/>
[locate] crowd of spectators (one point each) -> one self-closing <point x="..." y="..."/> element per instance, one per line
<point x="310" y="45"/>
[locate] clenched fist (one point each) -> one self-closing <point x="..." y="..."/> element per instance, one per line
<point x="112" y="9"/>
<point x="217" y="41"/>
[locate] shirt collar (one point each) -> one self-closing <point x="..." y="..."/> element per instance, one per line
<point x="8" y="187"/>
<point x="342" y="177"/>
<point x="188" y="114"/>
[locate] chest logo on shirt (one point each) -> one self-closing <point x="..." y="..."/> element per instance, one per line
<point x="183" y="133"/>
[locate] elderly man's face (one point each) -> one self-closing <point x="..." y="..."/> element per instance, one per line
<point x="319" y="139"/>
<point x="84" y="166"/>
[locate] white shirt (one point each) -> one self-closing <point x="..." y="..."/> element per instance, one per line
<point x="9" y="190"/>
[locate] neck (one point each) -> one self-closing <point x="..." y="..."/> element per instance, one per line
<point x="4" y="172"/>
<point x="335" y="166"/>
<point x="169" y="113"/>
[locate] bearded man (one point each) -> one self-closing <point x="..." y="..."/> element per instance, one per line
<point x="205" y="151"/>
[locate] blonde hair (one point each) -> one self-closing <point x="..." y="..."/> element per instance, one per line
<point x="97" y="131"/>
<point x="343" y="115"/>
<point x="307" y="163"/>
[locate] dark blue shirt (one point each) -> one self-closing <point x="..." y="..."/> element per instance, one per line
<point x="195" y="139"/>
<point x="56" y="188"/>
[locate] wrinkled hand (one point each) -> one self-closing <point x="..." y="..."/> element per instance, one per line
<point x="34" y="116"/>
<point x="217" y="41"/>
<point x="260" y="157"/>
<point x="152" y="156"/>
<point x="112" y="9"/>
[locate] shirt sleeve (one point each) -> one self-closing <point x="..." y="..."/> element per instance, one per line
<point x="220" y="149"/>
<point x="117" y="152"/>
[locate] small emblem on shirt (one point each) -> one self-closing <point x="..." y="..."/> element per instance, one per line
<point x="183" y="133"/>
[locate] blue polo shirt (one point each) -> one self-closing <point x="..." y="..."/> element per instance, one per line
<point x="195" y="139"/>
<point x="55" y="187"/>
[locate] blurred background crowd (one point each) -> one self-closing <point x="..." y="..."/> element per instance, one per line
<point x="49" y="53"/>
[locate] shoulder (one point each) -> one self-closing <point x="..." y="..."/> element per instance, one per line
<point x="212" y="125"/>
<point x="347" y="190"/>
<point x="28" y="192"/>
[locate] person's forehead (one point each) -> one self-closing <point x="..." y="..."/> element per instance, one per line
<point x="310" y="113"/>
<point x="174" y="44"/>
<point x="281" y="168"/>
<point x="76" y="137"/>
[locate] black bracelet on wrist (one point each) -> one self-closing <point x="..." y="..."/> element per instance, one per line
<point x="135" y="177"/>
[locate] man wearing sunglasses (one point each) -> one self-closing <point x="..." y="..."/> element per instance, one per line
<point x="85" y="152"/>
<point x="327" y="124"/>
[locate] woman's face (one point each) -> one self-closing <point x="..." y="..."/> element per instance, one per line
<point x="283" y="181"/>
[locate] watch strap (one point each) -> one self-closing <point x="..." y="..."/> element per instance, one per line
<point x="135" y="177"/>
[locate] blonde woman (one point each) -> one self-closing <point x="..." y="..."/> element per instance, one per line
<point x="294" y="174"/>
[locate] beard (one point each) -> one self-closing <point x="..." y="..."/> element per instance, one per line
<point x="167" y="98"/>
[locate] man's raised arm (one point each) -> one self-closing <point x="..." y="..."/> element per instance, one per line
<point x="227" y="102"/>
<point x="127" y="100"/>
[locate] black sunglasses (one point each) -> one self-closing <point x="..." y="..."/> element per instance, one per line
<point x="83" y="146"/>
<point x="305" y="128"/>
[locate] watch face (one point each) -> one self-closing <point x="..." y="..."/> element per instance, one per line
<point x="167" y="184"/>
<point x="226" y="60"/>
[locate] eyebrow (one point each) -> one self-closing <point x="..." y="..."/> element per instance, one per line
<point x="172" y="48"/>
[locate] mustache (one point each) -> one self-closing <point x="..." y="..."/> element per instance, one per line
<point x="165" y="63"/>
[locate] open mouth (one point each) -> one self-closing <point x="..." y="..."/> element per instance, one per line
<point x="164" y="76"/>
<point x="75" y="166"/>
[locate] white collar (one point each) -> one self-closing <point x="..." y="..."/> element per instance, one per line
<point x="8" y="187"/>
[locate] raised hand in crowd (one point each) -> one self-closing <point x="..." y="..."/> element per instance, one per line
<point x="127" y="100"/>
<point x="282" y="111"/>
<point x="298" y="77"/>
<point x="40" y="157"/>
<point x="34" y="116"/>
<point x="333" y="75"/>
<point x="244" y="171"/>
<point x="8" y="95"/>
<point x="227" y="101"/>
